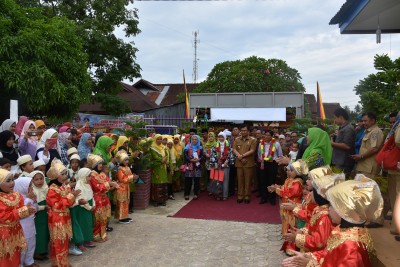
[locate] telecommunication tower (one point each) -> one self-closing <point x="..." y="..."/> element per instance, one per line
<point x="195" y="59"/>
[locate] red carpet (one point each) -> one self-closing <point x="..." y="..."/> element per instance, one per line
<point x="208" y="208"/>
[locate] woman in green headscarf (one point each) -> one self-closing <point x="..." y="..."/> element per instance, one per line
<point x="319" y="150"/>
<point x="103" y="148"/>
<point x="208" y="146"/>
<point x="159" y="177"/>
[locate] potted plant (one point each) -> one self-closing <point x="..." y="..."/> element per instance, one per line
<point x="140" y="145"/>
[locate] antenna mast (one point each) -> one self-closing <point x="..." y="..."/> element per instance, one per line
<point x="195" y="59"/>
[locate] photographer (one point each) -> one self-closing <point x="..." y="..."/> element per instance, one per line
<point x="27" y="143"/>
<point x="343" y="142"/>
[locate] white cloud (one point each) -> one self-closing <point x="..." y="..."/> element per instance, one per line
<point x="294" y="31"/>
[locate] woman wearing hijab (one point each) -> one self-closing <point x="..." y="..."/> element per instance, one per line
<point x="220" y="159"/>
<point x="159" y="178"/>
<point x="47" y="148"/>
<point x="27" y="143"/>
<point x="122" y="143"/>
<point x="20" y="125"/>
<point x="85" y="145"/>
<point x="98" y="135"/>
<point x="8" y="125"/>
<point x="64" y="143"/>
<point x="103" y="148"/>
<point x="179" y="161"/>
<point x="41" y="128"/>
<point x="8" y="151"/>
<point x="193" y="154"/>
<point x="208" y="146"/>
<point x="319" y="150"/>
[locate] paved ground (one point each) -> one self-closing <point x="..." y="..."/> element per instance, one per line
<point x="154" y="239"/>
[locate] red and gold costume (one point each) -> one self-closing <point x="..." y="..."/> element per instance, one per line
<point x="124" y="177"/>
<point x="346" y="247"/>
<point x="102" y="211"/>
<point x="292" y="190"/>
<point x="59" y="199"/>
<point x="315" y="234"/>
<point x="305" y="210"/>
<point x="12" y="239"/>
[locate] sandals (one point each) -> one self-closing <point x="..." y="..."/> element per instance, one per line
<point x="186" y="197"/>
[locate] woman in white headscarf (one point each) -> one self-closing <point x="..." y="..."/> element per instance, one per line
<point x="220" y="161"/>
<point x="9" y="125"/>
<point x="46" y="149"/>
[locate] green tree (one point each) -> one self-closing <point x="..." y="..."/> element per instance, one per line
<point x="110" y="59"/>
<point x="42" y="61"/>
<point x="380" y="92"/>
<point x="252" y="74"/>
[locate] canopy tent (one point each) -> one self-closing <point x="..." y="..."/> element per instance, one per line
<point x="248" y="114"/>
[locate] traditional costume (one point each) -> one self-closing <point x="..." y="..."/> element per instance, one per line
<point x="100" y="186"/>
<point x="59" y="199"/>
<point x="12" y="210"/>
<point x="28" y="224"/>
<point x="350" y="244"/>
<point x="291" y="190"/>
<point x="159" y="178"/>
<point x="41" y="219"/>
<point x="84" y="213"/>
<point x="220" y="159"/>
<point x="317" y="231"/>
<point x="178" y="149"/>
<point x="124" y="177"/>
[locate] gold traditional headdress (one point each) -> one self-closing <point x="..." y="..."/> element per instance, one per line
<point x="121" y="156"/>
<point x="56" y="169"/>
<point x="4" y="174"/>
<point x="358" y="200"/>
<point x="300" y="167"/>
<point x="318" y="172"/>
<point x="93" y="160"/>
<point x="323" y="183"/>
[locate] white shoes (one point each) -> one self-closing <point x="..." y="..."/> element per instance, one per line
<point x="73" y="250"/>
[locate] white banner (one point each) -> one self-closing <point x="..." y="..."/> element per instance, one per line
<point x="248" y="114"/>
<point x="14" y="110"/>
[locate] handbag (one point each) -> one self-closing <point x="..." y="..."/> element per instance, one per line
<point x="217" y="175"/>
<point x="389" y="155"/>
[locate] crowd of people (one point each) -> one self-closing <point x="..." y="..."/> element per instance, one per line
<point x="59" y="186"/>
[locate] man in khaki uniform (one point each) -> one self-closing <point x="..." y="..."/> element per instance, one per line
<point x="244" y="148"/>
<point x="370" y="146"/>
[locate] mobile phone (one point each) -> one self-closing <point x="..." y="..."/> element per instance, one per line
<point x="33" y="133"/>
<point x="52" y="142"/>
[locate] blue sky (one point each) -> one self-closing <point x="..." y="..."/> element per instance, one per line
<point x="297" y="32"/>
